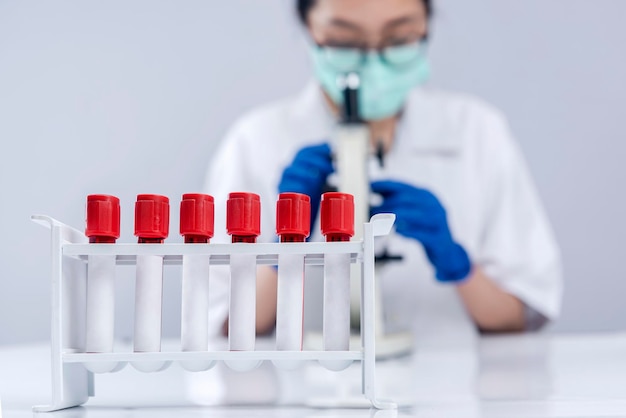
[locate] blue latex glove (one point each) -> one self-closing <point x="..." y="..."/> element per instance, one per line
<point x="307" y="174"/>
<point x="420" y="215"/>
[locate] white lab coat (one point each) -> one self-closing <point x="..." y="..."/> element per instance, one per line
<point x="456" y="146"/>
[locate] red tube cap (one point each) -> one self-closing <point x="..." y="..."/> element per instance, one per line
<point x="197" y="215"/>
<point x="152" y="216"/>
<point x="243" y="214"/>
<point x="293" y="214"/>
<point x="337" y="214"/>
<point x="103" y="216"/>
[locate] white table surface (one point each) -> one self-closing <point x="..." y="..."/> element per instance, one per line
<point x="532" y="375"/>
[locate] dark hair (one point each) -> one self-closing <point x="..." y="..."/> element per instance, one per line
<point x="304" y="6"/>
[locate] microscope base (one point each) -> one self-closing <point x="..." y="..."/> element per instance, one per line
<point x="387" y="346"/>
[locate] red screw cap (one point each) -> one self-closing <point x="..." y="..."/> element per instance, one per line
<point x="337" y="216"/>
<point x="293" y="215"/>
<point x="103" y="218"/>
<point x="243" y="214"/>
<point x="152" y="216"/>
<point x="197" y="216"/>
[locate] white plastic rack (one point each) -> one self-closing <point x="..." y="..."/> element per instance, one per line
<point x="73" y="369"/>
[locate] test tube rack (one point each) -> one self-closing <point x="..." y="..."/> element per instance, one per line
<point x="73" y="382"/>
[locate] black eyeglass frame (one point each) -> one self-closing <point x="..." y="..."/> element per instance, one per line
<point x="361" y="54"/>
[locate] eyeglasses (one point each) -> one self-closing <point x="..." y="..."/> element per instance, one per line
<point x="352" y="59"/>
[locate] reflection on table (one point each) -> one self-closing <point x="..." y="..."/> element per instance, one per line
<point x="531" y="375"/>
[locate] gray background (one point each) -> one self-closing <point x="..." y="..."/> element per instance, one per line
<point x="128" y="97"/>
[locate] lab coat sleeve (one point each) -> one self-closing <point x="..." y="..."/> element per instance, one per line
<point x="517" y="248"/>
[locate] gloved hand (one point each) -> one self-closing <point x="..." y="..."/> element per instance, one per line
<point x="307" y="174"/>
<point x="420" y="215"/>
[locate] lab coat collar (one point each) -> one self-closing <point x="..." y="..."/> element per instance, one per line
<point x="424" y="125"/>
<point x="311" y="112"/>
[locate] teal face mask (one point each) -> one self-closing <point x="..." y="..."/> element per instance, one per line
<point x="385" y="77"/>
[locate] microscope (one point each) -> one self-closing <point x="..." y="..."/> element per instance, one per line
<point x="352" y="153"/>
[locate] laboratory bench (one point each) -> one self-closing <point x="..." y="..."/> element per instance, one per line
<point x="521" y="375"/>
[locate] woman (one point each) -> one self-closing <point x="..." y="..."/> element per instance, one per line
<point x="488" y="258"/>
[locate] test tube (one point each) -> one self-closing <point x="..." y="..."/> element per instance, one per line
<point x="103" y="227"/>
<point x="293" y="217"/>
<point x="152" y="214"/>
<point x="196" y="225"/>
<point x="337" y="224"/>
<point x="243" y="223"/>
